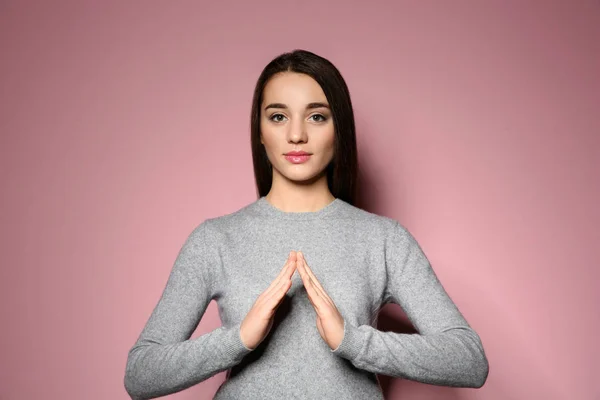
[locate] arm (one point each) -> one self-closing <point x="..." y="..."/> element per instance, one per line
<point x="164" y="360"/>
<point x="446" y="352"/>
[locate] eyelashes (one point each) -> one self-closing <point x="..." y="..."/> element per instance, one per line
<point x="274" y="117"/>
<point x="321" y="118"/>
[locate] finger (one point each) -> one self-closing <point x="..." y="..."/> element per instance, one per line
<point x="276" y="296"/>
<point x="309" y="271"/>
<point x="281" y="274"/>
<point x="313" y="294"/>
<point x="288" y="269"/>
<point x="278" y="290"/>
<point x="314" y="279"/>
<point x="284" y="278"/>
<point x="314" y="297"/>
<point x="324" y="297"/>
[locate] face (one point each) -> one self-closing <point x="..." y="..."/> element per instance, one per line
<point x="295" y="116"/>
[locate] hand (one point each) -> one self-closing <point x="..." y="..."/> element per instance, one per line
<point x="330" y="322"/>
<point x="259" y="320"/>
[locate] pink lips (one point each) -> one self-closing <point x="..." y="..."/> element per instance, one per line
<point x="297" y="159"/>
<point x="297" y="156"/>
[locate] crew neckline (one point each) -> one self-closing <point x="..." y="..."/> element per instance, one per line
<point x="266" y="208"/>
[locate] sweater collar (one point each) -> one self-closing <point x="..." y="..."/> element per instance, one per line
<point x="265" y="208"/>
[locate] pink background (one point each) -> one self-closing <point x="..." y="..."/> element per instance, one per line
<point x="125" y="124"/>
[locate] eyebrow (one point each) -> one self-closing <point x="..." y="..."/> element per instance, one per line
<point x="308" y="106"/>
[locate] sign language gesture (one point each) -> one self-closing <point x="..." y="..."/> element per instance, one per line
<point x="259" y="320"/>
<point x="330" y="322"/>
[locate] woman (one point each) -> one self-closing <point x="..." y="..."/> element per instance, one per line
<point x="310" y="335"/>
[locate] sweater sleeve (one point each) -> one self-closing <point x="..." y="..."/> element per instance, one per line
<point x="445" y="352"/>
<point x="164" y="359"/>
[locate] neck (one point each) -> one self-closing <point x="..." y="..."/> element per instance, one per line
<point x="307" y="196"/>
<point x="299" y="201"/>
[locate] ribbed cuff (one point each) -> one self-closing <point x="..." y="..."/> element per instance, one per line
<point x="232" y="342"/>
<point x="352" y="343"/>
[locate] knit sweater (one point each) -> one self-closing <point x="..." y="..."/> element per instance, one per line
<point x="361" y="259"/>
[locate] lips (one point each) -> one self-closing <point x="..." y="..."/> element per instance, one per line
<point x="297" y="159"/>
<point x="297" y="153"/>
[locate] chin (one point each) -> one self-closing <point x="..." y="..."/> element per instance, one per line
<point x="303" y="176"/>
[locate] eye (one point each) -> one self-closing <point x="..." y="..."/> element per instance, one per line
<point x="323" y="118"/>
<point x="274" y="116"/>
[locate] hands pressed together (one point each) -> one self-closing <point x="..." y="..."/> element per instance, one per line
<point x="259" y="320"/>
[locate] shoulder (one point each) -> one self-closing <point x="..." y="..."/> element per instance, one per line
<point x="376" y="226"/>
<point x="369" y="218"/>
<point x="216" y="228"/>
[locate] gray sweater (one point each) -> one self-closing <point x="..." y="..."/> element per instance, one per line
<point x="362" y="260"/>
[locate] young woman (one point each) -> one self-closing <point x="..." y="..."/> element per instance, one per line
<point x="310" y="334"/>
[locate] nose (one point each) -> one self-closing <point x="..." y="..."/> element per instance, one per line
<point x="297" y="132"/>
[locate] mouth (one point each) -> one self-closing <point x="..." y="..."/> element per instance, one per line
<point x="297" y="159"/>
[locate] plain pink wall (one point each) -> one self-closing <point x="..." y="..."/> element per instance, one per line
<point x="125" y="124"/>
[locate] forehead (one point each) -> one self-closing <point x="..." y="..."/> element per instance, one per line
<point x="293" y="88"/>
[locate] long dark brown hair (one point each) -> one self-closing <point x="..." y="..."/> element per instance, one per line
<point x="343" y="169"/>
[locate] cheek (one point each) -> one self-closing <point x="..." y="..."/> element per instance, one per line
<point x="269" y="140"/>
<point x="330" y="140"/>
<point x="265" y="133"/>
